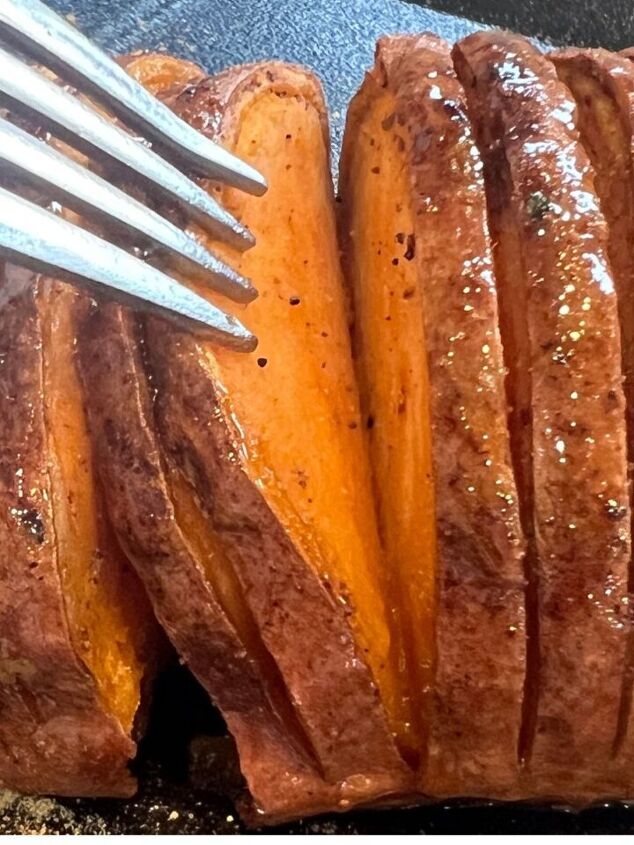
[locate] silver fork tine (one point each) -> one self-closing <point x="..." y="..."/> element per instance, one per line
<point x="30" y="92"/>
<point x="34" y="237"/>
<point x="92" y="196"/>
<point x="48" y="36"/>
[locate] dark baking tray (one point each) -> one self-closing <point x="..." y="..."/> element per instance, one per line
<point x="337" y="40"/>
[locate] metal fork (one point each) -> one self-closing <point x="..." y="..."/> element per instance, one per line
<point x="40" y="239"/>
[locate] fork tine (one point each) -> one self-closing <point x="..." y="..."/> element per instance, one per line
<point x="32" y="236"/>
<point x="92" y="196"/>
<point x="44" y="33"/>
<point x="29" y="91"/>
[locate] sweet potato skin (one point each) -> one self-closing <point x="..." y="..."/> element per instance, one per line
<point x="474" y="711"/>
<point x="330" y="682"/>
<point x="524" y="116"/>
<point x="602" y="84"/>
<point x="55" y="735"/>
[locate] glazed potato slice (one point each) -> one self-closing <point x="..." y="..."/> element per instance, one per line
<point x="429" y="359"/>
<point x="272" y="442"/>
<point x="79" y="642"/>
<point x="603" y="87"/>
<point x="561" y="338"/>
<point x="258" y="546"/>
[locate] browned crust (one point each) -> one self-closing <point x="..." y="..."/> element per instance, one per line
<point x="525" y="116"/>
<point x="55" y="736"/>
<point x="477" y="698"/>
<point x="329" y="681"/>
<point x="613" y="76"/>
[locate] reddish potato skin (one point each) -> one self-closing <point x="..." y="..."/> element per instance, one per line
<point x="541" y="183"/>
<point x="55" y="735"/>
<point x="475" y="708"/>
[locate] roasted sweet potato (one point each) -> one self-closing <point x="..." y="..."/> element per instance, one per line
<point x="78" y="639"/>
<point x="261" y="506"/>
<point x="603" y="87"/>
<point x="562" y="347"/>
<point x="429" y="358"/>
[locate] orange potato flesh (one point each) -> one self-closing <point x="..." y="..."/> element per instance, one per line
<point x="302" y="372"/>
<point x="210" y="553"/>
<point x="107" y="609"/>
<point x="390" y="348"/>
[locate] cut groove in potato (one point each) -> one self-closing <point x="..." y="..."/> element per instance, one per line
<point x="428" y="354"/>
<point x="221" y="576"/>
<point x="389" y="339"/>
<point x="80" y="642"/>
<point x="551" y="265"/>
<point x="105" y="603"/>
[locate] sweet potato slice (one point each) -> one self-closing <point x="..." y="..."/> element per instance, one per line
<point x="562" y="347"/>
<point x="271" y="522"/>
<point x="429" y="358"/>
<point x="272" y="442"/>
<point x="78" y="641"/>
<point x="603" y="87"/>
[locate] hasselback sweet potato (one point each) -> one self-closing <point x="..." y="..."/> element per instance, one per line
<point x="602" y="84"/>
<point x="562" y="347"/>
<point x="428" y="354"/>
<point x="78" y="640"/>
<point x="262" y="475"/>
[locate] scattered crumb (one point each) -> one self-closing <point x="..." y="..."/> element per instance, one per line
<point x="26" y="815"/>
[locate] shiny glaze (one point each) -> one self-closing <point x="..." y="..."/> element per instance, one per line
<point x="554" y="278"/>
<point x="449" y="374"/>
